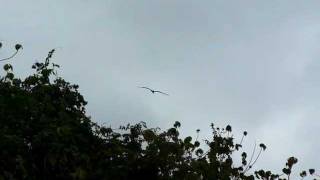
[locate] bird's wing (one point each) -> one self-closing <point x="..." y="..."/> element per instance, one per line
<point x="146" y="88"/>
<point x="162" y="93"/>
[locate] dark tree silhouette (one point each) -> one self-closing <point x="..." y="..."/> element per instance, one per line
<point x="45" y="134"/>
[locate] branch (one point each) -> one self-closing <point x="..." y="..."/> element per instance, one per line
<point x="256" y="157"/>
<point x="14" y="54"/>
<point x="254" y="150"/>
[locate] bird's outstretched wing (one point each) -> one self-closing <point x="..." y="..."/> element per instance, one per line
<point x="161" y="93"/>
<point x="145" y="88"/>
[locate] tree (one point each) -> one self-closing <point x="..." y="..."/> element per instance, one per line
<point x="46" y="134"/>
<point x="44" y="131"/>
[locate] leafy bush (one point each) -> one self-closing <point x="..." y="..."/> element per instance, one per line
<point x="45" y="134"/>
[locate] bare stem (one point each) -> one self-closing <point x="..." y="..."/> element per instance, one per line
<point x="241" y="139"/>
<point x="256" y="158"/>
<point x="9" y="57"/>
<point x="254" y="150"/>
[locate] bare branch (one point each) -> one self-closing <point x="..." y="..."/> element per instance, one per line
<point x="14" y="54"/>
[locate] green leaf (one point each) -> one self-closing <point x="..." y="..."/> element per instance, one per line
<point x="7" y="67"/>
<point x="196" y="143"/>
<point x="10" y="76"/>
<point x="177" y="124"/>
<point x="18" y="47"/>
<point x="311" y="171"/>
<point x="264" y="147"/>
<point x="228" y="128"/>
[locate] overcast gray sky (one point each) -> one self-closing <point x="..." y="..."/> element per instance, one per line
<point x="252" y="64"/>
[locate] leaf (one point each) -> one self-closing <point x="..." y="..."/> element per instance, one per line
<point x="245" y="133"/>
<point x="197" y="144"/>
<point x="303" y="174"/>
<point x="228" y="128"/>
<point x="311" y="171"/>
<point x="291" y="161"/>
<point x="287" y="171"/>
<point x="238" y="146"/>
<point x="188" y="139"/>
<point x="7" y="67"/>
<point x="264" y="147"/>
<point x="177" y="124"/>
<point x="10" y="76"/>
<point x="18" y="47"/>
<point x="199" y="152"/>
<point x="55" y="65"/>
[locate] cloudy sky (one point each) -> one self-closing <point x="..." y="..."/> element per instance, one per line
<point x="252" y="64"/>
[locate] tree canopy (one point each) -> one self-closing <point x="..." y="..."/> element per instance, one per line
<point x="46" y="134"/>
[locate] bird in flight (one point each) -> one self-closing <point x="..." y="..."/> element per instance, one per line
<point x="154" y="91"/>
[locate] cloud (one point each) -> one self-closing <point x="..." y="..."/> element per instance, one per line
<point x="252" y="65"/>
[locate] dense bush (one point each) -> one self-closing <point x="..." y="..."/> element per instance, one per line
<point x="45" y="134"/>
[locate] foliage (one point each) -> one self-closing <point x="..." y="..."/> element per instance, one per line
<point x="45" y="134"/>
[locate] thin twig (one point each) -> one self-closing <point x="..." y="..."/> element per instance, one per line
<point x="241" y="139"/>
<point x="254" y="150"/>
<point x="9" y="57"/>
<point x="256" y="158"/>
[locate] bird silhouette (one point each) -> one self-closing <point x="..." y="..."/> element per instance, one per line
<point x="154" y="91"/>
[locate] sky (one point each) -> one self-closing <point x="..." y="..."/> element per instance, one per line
<point x="251" y="64"/>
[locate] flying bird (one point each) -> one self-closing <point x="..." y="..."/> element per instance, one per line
<point x="154" y="91"/>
